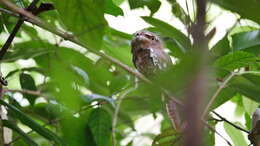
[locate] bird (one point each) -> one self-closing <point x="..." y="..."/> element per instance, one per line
<point x="149" y="58"/>
<point x="148" y="53"/>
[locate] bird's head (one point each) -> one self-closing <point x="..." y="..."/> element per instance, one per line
<point x="145" y="38"/>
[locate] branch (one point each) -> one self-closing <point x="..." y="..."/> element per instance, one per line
<point x="37" y="93"/>
<point x="197" y="87"/>
<point x="36" y="21"/>
<point x="225" y="120"/>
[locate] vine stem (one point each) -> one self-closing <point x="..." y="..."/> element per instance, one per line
<point x="115" y="116"/>
<point x="222" y="86"/>
<point x="212" y="99"/>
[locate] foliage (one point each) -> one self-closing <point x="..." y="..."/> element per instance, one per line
<point x="78" y="90"/>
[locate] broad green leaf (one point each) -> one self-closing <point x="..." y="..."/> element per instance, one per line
<point x="248" y="121"/>
<point x="113" y="9"/>
<point x="48" y="111"/>
<point x="100" y="123"/>
<point x="27" y="50"/>
<point x="153" y="5"/>
<point x="249" y="105"/>
<point x="234" y="60"/>
<point x="23" y="135"/>
<point x="247" y="85"/>
<point x="247" y="41"/>
<point x="83" y="75"/>
<point x="118" y="83"/>
<point x="27" y="82"/>
<point x="235" y="134"/>
<point x="29" y="69"/>
<point x="178" y="11"/>
<point x="221" y="48"/>
<point x="238" y="6"/>
<point x="31" y="31"/>
<point x="97" y="72"/>
<point x="120" y="34"/>
<point x="32" y="124"/>
<point x="167" y="136"/>
<point x="118" y="2"/>
<point x="225" y="95"/>
<point x="85" y="18"/>
<point x="168" y="30"/>
<point x="76" y="132"/>
<point x="121" y="52"/>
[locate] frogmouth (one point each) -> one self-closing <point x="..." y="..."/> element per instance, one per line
<point x="149" y="57"/>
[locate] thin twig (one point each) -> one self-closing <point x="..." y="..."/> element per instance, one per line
<point x="222" y="86"/>
<point x="230" y="123"/>
<point x="8" y="12"/>
<point x="214" y="130"/>
<point x="115" y="116"/>
<point x="24" y="91"/>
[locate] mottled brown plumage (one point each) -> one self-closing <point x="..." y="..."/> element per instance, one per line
<point x="150" y="57"/>
<point x="148" y="53"/>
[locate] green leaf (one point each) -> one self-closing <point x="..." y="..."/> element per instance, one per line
<point x="27" y="83"/>
<point x="98" y="72"/>
<point x="169" y="31"/>
<point x="85" y="18"/>
<point x="221" y="48"/>
<point x="247" y="41"/>
<point x="247" y="85"/>
<point x="113" y="9"/>
<point x="178" y="11"/>
<point x="249" y="105"/>
<point x="48" y="111"/>
<point x="78" y="134"/>
<point x="235" y="134"/>
<point x="100" y="123"/>
<point x="82" y="74"/>
<point x="27" y="50"/>
<point x="238" y="6"/>
<point x="29" y="69"/>
<point x="225" y="95"/>
<point x="234" y="60"/>
<point x="153" y="5"/>
<point x="120" y="34"/>
<point x="32" y="124"/>
<point x="167" y="136"/>
<point x="121" y="52"/>
<point x="248" y="121"/>
<point x="23" y="135"/>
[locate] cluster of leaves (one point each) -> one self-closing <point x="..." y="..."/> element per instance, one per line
<point x="77" y="86"/>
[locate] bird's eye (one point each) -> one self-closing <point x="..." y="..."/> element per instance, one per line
<point x="153" y="38"/>
<point x="137" y="34"/>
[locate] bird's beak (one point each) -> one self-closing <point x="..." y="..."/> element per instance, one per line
<point x="141" y="38"/>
